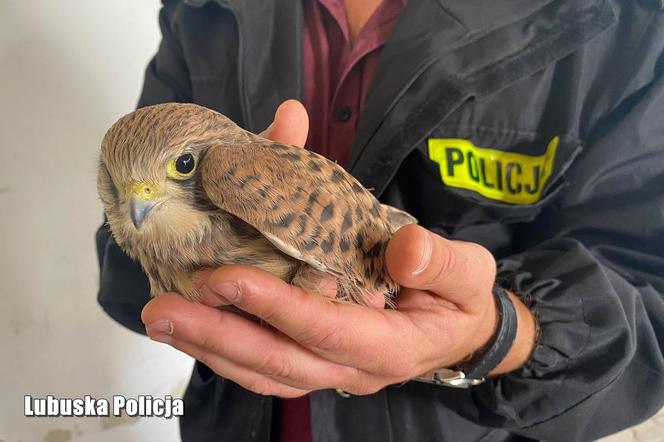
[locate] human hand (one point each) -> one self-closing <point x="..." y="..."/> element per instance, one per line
<point x="444" y="313"/>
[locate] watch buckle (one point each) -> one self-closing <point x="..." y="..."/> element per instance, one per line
<point x="449" y="378"/>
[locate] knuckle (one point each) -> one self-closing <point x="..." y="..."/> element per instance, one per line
<point x="210" y="344"/>
<point x="327" y="333"/>
<point x="210" y="341"/>
<point x="276" y="365"/>
<point x="328" y="339"/>
<point x="272" y="313"/>
<point x="268" y="313"/>
<point x="446" y="263"/>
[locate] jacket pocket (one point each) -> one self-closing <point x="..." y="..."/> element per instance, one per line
<point x="478" y="176"/>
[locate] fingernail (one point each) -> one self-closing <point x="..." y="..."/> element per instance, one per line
<point x="227" y="290"/>
<point x="207" y="294"/>
<point x="162" y="327"/>
<point x="425" y="257"/>
<point x="201" y="277"/>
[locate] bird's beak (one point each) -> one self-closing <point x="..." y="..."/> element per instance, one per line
<point x="142" y="199"/>
<point x="139" y="210"/>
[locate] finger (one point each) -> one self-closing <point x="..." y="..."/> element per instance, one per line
<point x="317" y="282"/>
<point x="290" y="125"/>
<point x="242" y="376"/>
<point x="243" y="342"/>
<point x="265" y="385"/>
<point x="376" y="301"/>
<point x="347" y="334"/>
<point x="460" y="272"/>
<point x="328" y="287"/>
<point x="207" y="297"/>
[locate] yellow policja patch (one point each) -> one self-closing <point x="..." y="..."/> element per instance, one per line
<point x="503" y="176"/>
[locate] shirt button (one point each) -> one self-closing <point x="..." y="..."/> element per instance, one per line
<point x="343" y="113"/>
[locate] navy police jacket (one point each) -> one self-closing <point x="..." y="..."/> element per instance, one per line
<point x="533" y="127"/>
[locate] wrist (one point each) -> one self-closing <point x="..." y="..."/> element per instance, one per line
<point x="484" y="335"/>
<point x="502" y="337"/>
<point x="524" y="342"/>
<point x="511" y="341"/>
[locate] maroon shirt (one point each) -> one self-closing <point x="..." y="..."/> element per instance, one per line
<point x="337" y="76"/>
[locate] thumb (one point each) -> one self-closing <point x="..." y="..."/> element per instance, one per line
<point x="290" y="125"/>
<point x="460" y="272"/>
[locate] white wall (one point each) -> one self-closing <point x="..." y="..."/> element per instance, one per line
<point x="68" y="70"/>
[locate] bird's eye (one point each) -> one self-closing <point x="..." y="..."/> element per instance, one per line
<point x="185" y="163"/>
<point x="182" y="167"/>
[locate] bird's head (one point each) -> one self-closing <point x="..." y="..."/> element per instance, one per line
<point x="149" y="178"/>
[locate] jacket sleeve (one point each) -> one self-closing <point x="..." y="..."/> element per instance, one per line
<point x="123" y="287"/>
<point x="596" y="285"/>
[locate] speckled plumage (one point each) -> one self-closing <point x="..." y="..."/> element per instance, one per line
<point x="281" y="208"/>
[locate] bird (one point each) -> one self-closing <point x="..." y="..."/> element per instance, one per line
<point x="184" y="188"/>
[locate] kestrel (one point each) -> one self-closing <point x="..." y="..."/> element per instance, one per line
<point x="183" y="187"/>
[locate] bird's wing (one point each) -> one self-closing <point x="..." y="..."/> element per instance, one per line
<point x="307" y="206"/>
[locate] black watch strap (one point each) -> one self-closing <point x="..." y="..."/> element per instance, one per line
<point x="481" y="365"/>
<point x="475" y="371"/>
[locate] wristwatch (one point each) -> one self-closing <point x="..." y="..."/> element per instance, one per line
<point x="475" y="371"/>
